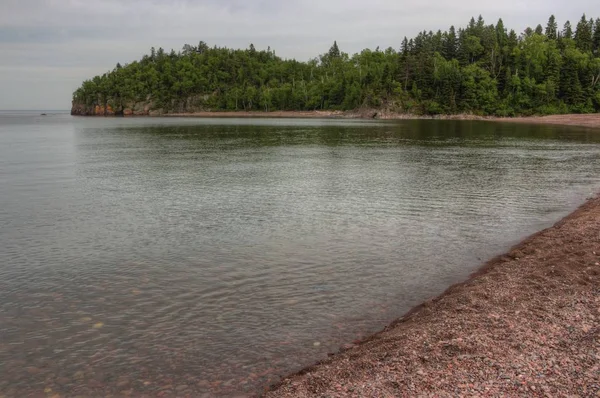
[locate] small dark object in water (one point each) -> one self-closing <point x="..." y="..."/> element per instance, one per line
<point x="43" y="114"/>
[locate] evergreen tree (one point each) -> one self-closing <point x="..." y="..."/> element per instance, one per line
<point x="539" y="30"/>
<point x="552" y="69"/>
<point x="551" y="28"/>
<point x="404" y="46"/>
<point x="501" y="36"/>
<point x="449" y="44"/>
<point x="334" y="51"/>
<point x="471" y="27"/>
<point x="570" y="86"/>
<point x="513" y="40"/>
<point x="596" y="38"/>
<point x="567" y="32"/>
<point x="583" y="35"/>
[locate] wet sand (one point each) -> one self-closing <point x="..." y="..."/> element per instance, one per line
<point x="526" y="324"/>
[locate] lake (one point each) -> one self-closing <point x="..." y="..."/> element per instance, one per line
<point x="208" y="257"/>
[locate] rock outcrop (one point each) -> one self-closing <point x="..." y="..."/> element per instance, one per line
<point x="140" y="108"/>
<point x="132" y="109"/>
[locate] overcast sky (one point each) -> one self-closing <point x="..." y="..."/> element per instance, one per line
<point x="48" y="47"/>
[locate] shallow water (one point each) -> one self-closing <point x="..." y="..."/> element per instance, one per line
<point x="207" y="256"/>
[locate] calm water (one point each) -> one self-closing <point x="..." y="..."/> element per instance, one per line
<point x="188" y="256"/>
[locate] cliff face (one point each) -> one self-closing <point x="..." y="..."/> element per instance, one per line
<point x="93" y="110"/>
<point x="140" y="108"/>
<point x="132" y="109"/>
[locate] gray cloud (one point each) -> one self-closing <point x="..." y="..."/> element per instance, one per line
<point x="48" y="47"/>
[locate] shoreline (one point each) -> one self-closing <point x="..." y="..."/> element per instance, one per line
<point x="526" y="322"/>
<point x="591" y="120"/>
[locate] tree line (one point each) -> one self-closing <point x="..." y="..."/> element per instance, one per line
<point x="481" y="69"/>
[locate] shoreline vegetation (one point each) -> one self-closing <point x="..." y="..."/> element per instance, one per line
<point x="480" y="69"/>
<point x="526" y="323"/>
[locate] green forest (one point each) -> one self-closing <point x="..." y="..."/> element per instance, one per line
<point x="483" y="69"/>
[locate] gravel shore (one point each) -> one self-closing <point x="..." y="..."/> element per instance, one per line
<point x="591" y="120"/>
<point x="585" y="120"/>
<point x="527" y="324"/>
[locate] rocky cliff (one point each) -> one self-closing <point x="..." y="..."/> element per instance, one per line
<point x="148" y="107"/>
<point x="132" y="109"/>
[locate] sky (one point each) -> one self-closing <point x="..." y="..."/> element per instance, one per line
<point x="48" y="47"/>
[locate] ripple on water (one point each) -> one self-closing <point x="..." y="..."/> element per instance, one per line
<point x="154" y="256"/>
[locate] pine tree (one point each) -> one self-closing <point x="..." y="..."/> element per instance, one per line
<point x="551" y="28"/>
<point x="570" y="86"/>
<point x="438" y="42"/>
<point x="471" y="27"/>
<point x="449" y="44"/>
<point x="501" y="36"/>
<point x="513" y="40"/>
<point x="404" y="46"/>
<point x="552" y="68"/>
<point x="539" y="30"/>
<point x="583" y="35"/>
<point x="202" y="47"/>
<point x="567" y="32"/>
<point x="596" y="38"/>
<point x="461" y="53"/>
<point x="479" y="27"/>
<point x="334" y="51"/>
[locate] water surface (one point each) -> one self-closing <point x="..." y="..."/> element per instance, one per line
<point x="207" y="256"/>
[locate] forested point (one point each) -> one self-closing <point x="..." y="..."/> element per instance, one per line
<point x="480" y="69"/>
